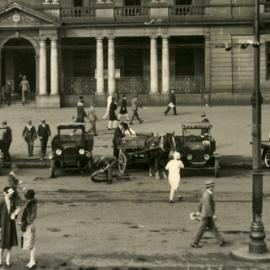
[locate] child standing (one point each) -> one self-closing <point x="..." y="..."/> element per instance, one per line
<point x="28" y="226"/>
<point x="173" y="167"/>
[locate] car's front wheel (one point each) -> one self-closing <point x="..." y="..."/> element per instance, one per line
<point x="216" y="168"/>
<point x="52" y="169"/>
<point x="266" y="159"/>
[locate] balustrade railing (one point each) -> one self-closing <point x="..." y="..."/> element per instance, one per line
<point x="134" y="11"/>
<point x="78" y="12"/>
<point x="187" y="84"/>
<point x="186" y="10"/>
<point x="79" y="86"/>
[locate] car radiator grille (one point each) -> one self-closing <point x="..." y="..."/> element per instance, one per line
<point x="69" y="154"/>
<point x="198" y="155"/>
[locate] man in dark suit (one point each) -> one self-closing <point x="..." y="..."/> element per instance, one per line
<point x="7" y="140"/>
<point x="44" y="133"/>
<point x="30" y="135"/>
<point x="118" y="134"/>
<point x="207" y="216"/>
<point x="172" y="103"/>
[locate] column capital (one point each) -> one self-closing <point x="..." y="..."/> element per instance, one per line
<point x="99" y="37"/>
<point x="54" y="38"/>
<point x="111" y="37"/>
<point x="165" y="36"/>
<point x="153" y="36"/>
<point x="42" y="38"/>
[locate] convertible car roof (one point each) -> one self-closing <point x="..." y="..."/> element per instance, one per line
<point x="70" y="125"/>
<point x="197" y="125"/>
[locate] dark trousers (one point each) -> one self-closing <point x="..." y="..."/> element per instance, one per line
<point x="135" y="115"/>
<point x="169" y="108"/>
<point x="43" y="146"/>
<point x="92" y="127"/>
<point x="208" y="223"/>
<point x="115" y="151"/>
<point x="30" y="148"/>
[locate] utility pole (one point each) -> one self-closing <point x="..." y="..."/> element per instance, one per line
<point x="257" y="234"/>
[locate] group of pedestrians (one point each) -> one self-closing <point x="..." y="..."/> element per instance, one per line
<point x="10" y="208"/>
<point x="24" y="87"/>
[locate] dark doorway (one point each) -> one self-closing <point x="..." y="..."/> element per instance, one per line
<point x="18" y="59"/>
<point x="78" y="3"/>
<point x="132" y="2"/>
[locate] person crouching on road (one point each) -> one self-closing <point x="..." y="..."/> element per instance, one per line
<point x="105" y="165"/>
<point x="8" y="226"/>
<point x="206" y="212"/>
<point x="173" y="167"/>
<point x="28" y="227"/>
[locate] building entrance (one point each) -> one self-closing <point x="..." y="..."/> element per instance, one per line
<point x="18" y="60"/>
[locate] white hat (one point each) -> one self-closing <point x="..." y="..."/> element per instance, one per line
<point x="176" y="155"/>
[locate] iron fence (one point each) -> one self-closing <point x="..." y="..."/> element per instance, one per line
<point x="79" y="86"/>
<point x="188" y="84"/>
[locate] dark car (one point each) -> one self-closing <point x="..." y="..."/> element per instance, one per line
<point x="71" y="148"/>
<point x="197" y="147"/>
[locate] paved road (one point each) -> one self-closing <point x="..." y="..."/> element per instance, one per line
<point x="82" y="224"/>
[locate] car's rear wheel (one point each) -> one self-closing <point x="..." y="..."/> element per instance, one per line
<point x="216" y="168"/>
<point x="266" y="159"/>
<point x="52" y="169"/>
<point x="122" y="162"/>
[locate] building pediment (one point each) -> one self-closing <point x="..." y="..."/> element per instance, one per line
<point x="17" y="15"/>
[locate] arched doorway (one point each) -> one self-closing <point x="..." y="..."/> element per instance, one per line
<point x="18" y="59"/>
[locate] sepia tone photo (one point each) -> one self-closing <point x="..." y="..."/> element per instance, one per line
<point x="134" y="134"/>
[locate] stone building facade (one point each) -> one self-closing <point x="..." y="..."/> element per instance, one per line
<point x="68" y="48"/>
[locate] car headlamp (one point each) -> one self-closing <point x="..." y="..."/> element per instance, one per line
<point x="81" y="151"/>
<point x="88" y="154"/>
<point x="189" y="157"/>
<point x="206" y="157"/>
<point x="58" y="152"/>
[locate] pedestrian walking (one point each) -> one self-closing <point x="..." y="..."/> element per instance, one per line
<point x="6" y="139"/>
<point x="118" y="134"/>
<point x="81" y="114"/>
<point x="172" y="103"/>
<point x="135" y="105"/>
<point x="174" y="167"/>
<point x="30" y="135"/>
<point x="92" y="118"/>
<point x="25" y="88"/>
<point x="123" y="109"/>
<point x="44" y="133"/>
<point x="105" y="164"/>
<point x="9" y="237"/>
<point x="8" y="90"/>
<point x="28" y="227"/>
<point x="109" y="100"/>
<point x="206" y="212"/>
<point x="112" y="124"/>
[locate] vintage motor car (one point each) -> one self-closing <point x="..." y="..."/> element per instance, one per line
<point x="71" y="148"/>
<point x="197" y="147"/>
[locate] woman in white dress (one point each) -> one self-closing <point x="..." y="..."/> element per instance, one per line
<point x="173" y="167"/>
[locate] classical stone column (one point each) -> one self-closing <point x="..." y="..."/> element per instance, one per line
<point x="54" y="67"/>
<point x="99" y="66"/>
<point x="111" y="66"/>
<point x="165" y="65"/>
<point x="46" y="2"/>
<point x="153" y="66"/>
<point x="42" y="68"/>
<point x="55" y="2"/>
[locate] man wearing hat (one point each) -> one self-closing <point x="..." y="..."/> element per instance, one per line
<point x="171" y="104"/>
<point x="30" y="135"/>
<point x="204" y="120"/>
<point x="207" y="215"/>
<point x="173" y="167"/>
<point x="44" y="133"/>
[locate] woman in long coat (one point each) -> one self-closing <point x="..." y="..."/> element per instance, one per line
<point x="123" y="109"/>
<point x="112" y="115"/>
<point x="9" y="237"/>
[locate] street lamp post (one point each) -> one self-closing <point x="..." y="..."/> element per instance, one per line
<point x="257" y="235"/>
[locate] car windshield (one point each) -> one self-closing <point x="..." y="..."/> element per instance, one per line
<point x="70" y="135"/>
<point x="196" y="132"/>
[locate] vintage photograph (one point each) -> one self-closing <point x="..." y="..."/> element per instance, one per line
<point x="135" y="134"/>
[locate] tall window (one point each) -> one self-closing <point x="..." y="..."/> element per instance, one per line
<point x="78" y="3"/>
<point x="132" y="2"/>
<point x="268" y="60"/>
